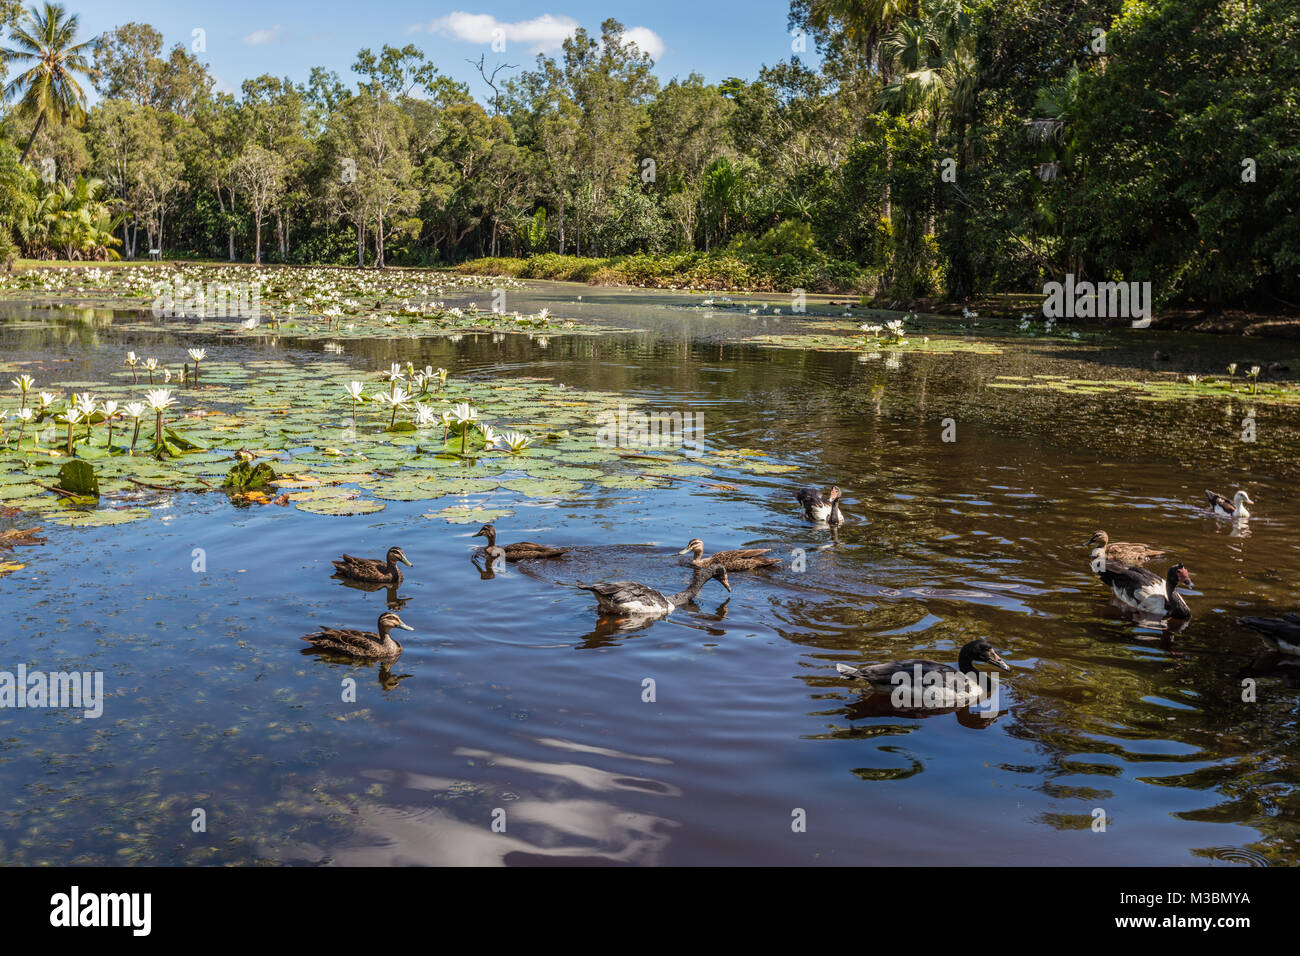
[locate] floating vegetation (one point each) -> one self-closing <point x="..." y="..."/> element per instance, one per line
<point x="326" y="442"/>
<point x="316" y="303"/>
<point x="1158" y="390"/>
<point x="820" y="342"/>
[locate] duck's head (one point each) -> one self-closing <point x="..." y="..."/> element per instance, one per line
<point x="487" y="531"/>
<point x="695" y="545"/>
<point x="720" y="573"/>
<point x="833" y="494"/>
<point x="1179" y="577"/>
<point x="397" y="554"/>
<point x="1241" y="496"/>
<point x="388" y="620"/>
<point x="982" y="651"/>
<point x="1099" y="539"/>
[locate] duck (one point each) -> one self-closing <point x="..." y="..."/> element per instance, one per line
<point x="364" y="645"/>
<point x="1147" y="591"/>
<point x="1234" y="509"/>
<point x="372" y="570"/>
<point x="518" y="551"/>
<point x="949" y="685"/>
<point x="1123" y="552"/>
<point x="745" y="559"/>
<point x="818" y="508"/>
<point x="638" y="600"/>
<point x="1282" y="632"/>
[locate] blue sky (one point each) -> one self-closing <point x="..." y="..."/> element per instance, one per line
<point x="246" y="38"/>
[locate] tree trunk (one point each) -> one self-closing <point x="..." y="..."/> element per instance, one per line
<point x="257" y="242"/>
<point x="40" y="120"/>
<point x="361" y="245"/>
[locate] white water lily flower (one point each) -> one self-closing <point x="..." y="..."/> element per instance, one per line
<point x="424" y="414"/>
<point x="1254" y="370"/>
<point x="23" y="383"/>
<point x="48" y="398"/>
<point x="516" y="442"/>
<point x="463" y="413"/>
<point x="134" y="409"/>
<point x="25" y="414"/>
<point x="489" y="434"/>
<point x="394" y="373"/>
<point x="354" y="391"/>
<point x="397" y="398"/>
<point x="110" y="409"/>
<point x="151" y="364"/>
<point x="86" y="402"/>
<point x="198" y="354"/>
<point x="1232" y="368"/>
<point x="1193" y="379"/>
<point x="131" y="359"/>
<point x="72" y="414"/>
<point x="159" y="398"/>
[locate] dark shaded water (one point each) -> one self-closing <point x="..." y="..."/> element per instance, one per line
<point x="511" y="697"/>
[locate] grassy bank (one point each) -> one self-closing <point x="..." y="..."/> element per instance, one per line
<point x="723" y="272"/>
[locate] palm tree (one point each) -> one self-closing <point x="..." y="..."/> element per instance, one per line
<point x="49" y="89"/>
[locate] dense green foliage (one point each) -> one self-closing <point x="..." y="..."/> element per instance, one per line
<point x="943" y="148"/>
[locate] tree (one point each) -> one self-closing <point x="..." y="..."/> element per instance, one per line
<point x="260" y="173"/>
<point x="48" y="89"/>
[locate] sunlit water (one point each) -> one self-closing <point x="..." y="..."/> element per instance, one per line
<point x="512" y="696"/>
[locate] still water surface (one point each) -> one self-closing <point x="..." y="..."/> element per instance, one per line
<point x="511" y="695"/>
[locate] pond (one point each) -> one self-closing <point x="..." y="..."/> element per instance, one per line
<point x="520" y="728"/>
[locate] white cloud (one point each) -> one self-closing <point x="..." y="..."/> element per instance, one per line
<point x="646" y="40"/>
<point x="543" y="34"/>
<point x="262" y="37"/>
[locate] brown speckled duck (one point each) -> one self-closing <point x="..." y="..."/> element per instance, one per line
<point x="372" y="570"/>
<point x="364" y="645"/>
<point x="743" y="559"/>
<point x="518" y="551"/>
<point x="1125" y="552"/>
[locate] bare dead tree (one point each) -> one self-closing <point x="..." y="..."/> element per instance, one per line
<point x="491" y="78"/>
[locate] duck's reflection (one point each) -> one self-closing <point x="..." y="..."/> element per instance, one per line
<point x="391" y="598"/>
<point x="977" y="716"/>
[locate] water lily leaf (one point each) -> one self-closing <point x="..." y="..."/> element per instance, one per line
<point x="469" y="514"/>
<point x="79" y="477"/>
<point x="101" y="517"/>
<point x="340" y="506"/>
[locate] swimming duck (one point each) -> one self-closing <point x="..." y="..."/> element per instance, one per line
<point x="517" y="551"/>
<point x="632" y="599"/>
<point x="745" y="559"/>
<point x="1234" y="509"/>
<point x="949" y="685"/>
<point x="817" y="508"/>
<point x="1282" y="632"/>
<point x="372" y="570"/>
<point x="361" y="644"/>
<point x="1124" y="552"/>
<point x="1146" y="591"/>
